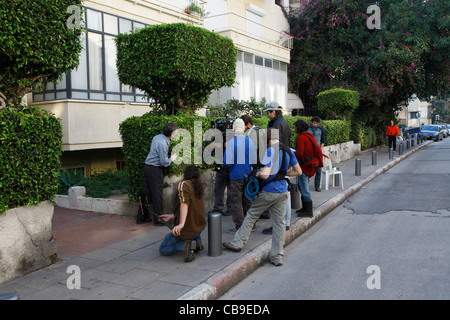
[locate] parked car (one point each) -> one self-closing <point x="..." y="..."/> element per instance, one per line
<point x="432" y="131"/>
<point x="445" y="129"/>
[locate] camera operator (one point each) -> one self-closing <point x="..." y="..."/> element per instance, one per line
<point x="222" y="180"/>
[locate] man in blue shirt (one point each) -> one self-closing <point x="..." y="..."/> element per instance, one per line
<point x="274" y="196"/>
<point x="239" y="155"/>
<point x="156" y="160"/>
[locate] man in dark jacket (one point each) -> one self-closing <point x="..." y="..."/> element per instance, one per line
<point x="277" y="121"/>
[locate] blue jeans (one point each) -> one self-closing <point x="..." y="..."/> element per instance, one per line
<point x="303" y="185"/>
<point x="171" y="245"/>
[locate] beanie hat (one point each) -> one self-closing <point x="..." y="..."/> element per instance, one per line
<point x="239" y="126"/>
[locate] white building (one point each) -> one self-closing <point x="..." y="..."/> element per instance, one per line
<point x="92" y="102"/>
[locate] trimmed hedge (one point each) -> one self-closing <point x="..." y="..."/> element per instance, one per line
<point x="338" y="103"/>
<point x="137" y="134"/>
<point x="336" y="131"/>
<point x="30" y="152"/>
<point x="177" y="65"/>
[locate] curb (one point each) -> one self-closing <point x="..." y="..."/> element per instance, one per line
<point x="220" y="283"/>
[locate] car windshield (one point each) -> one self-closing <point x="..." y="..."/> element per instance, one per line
<point x="430" y="128"/>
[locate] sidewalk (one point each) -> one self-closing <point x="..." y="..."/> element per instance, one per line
<point x="120" y="260"/>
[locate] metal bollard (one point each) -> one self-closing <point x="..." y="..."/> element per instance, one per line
<point x="400" y="149"/>
<point x="391" y="153"/>
<point x="357" y="167"/>
<point x="214" y="234"/>
<point x="412" y="142"/>
<point x="374" y="158"/>
<point x="295" y="195"/>
<point x="407" y="144"/>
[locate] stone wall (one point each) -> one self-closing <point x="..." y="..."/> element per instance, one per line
<point x="26" y="242"/>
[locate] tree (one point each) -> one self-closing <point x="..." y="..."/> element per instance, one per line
<point x="177" y="65"/>
<point x="38" y="45"/>
<point x="334" y="47"/>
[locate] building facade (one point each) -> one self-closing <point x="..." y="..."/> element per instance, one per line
<point x="91" y="102"/>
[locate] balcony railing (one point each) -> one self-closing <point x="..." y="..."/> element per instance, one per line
<point x="235" y="22"/>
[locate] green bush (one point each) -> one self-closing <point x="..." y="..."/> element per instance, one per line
<point x="102" y="183"/>
<point x="37" y="44"/>
<point x="30" y="151"/>
<point x="137" y="134"/>
<point x="338" y="103"/>
<point x="177" y="65"/>
<point x="336" y="131"/>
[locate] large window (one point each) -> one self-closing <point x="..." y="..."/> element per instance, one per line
<point x="96" y="76"/>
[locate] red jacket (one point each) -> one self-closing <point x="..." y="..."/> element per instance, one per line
<point x="308" y="153"/>
<point x="392" y="131"/>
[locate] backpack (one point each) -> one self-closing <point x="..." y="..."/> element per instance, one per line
<point x="252" y="184"/>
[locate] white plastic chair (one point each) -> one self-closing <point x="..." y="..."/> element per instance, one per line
<point x="329" y="171"/>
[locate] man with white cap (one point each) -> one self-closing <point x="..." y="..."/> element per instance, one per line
<point x="239" y="155"/>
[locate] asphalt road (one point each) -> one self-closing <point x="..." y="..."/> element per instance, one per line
<point x="388" y="241"/>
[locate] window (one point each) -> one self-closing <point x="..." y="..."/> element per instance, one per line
<point x="96" y="76"/>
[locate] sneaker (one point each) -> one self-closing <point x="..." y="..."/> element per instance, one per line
<point x="199" y="247"/>
<point x="276" y="264"/>
<point x="229" y="246"/>
<point x="269" y="230"/>
<point x="189" y="250"/>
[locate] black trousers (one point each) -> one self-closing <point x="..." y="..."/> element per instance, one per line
<point x="392" y="142"/>
<point x="153" y="187"/>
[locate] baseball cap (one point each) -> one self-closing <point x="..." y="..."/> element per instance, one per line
<point x="273" y="106"/>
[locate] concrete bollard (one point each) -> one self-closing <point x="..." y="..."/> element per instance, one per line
<point x="357" y="167"/>
<point x="374" y="158"/>
<point x="214" y="234"/>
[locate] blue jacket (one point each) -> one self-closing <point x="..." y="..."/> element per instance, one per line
<point x="239" y="155"/>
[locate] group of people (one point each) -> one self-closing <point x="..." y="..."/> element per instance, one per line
<point x="240" y="160"/>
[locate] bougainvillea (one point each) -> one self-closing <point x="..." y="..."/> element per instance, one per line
<point x="335" y="48"/>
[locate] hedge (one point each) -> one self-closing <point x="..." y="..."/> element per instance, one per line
<point x="177" y="65"/>
<point x="137" y="134"/>
<point x="30" y="152"/>
<point x="338" y="103"/>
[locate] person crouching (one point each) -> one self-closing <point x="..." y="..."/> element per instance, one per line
<point x="189" y="217"/>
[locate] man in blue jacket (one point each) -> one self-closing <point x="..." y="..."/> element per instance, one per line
<point x="239" y="155"/>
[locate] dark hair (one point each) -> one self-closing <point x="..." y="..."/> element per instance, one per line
<point x="247" y="119"/>
<point x="192" y="173"/>
<point x="169" y="128"/>
<point x="315" y="119"/>
<point x="301" y="126"/>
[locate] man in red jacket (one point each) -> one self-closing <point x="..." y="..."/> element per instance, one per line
<point x="309" y="156"/>
<point x="392" y="133"/>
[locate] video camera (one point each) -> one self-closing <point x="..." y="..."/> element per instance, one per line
<point x="222" y="124"/>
